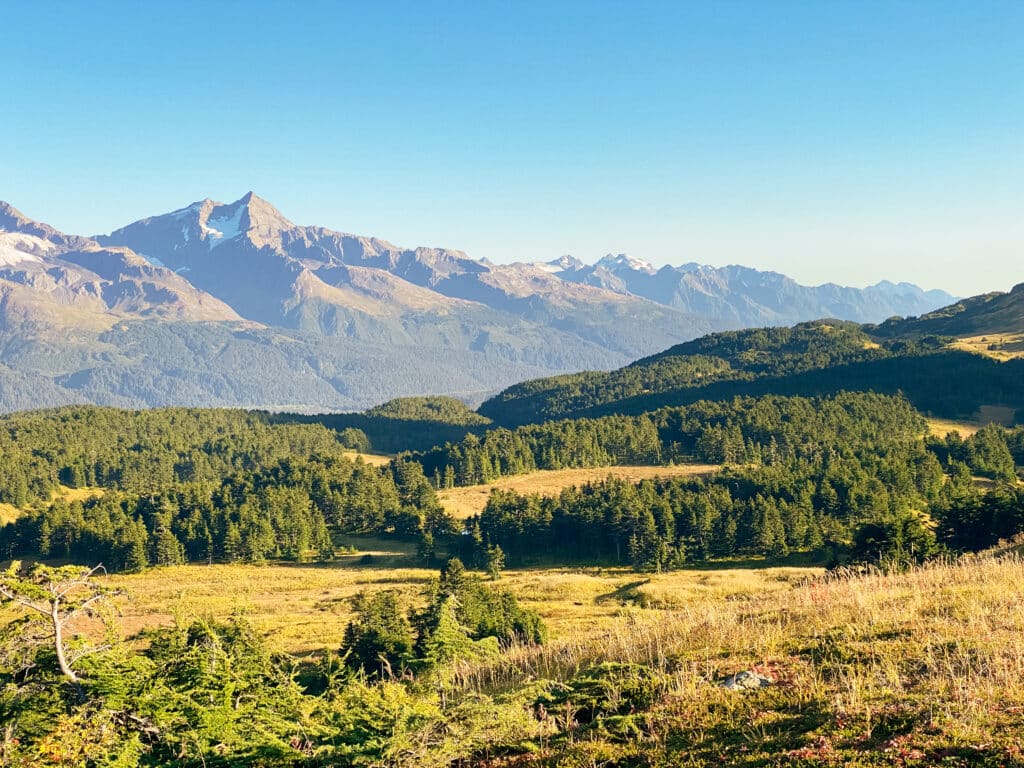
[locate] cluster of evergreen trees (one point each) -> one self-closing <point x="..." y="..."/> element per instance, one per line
<point x="987" y="452"/>
<point x="463" y="618"/>
<point x="743" y="430"/>
<point x="554" y="445"/>
<point x="403" y="424"/>
<point x="729" y="356"/>
<point x="202" y="486"/>
<point x="841" y="476"/>
<point x="196" y="486"/>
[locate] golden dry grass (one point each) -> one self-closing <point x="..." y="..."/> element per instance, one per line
<point x="77" y="494"/>
<point x="470" y="500"/>
<point x="942" y="427"/>
<point x="941" y="643"/>
<point x="305" y="608"/>
<point x="297" y="608"/>
<point x="999" y="346"/>
<point x="376" y="459"/>
<point x="9" y="513"/>
<point x="866" y="664"/>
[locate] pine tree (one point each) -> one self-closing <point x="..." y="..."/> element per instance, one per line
<point x="495" y="562"/>
<point x="449" y="640"/>
<point x="425" y="550"/>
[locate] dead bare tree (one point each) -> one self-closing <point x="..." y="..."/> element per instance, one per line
<point x="54" y="597"/>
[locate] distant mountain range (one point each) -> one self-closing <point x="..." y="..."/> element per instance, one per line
<point x="232" y="304"/>
<point x="741" y="297"/>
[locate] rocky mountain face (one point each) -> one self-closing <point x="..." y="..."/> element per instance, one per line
<point x="233" y="304"/>
<point x="315" y="279"/>
<point x="47" y="276"/>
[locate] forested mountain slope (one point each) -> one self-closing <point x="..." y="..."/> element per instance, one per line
<point x="990" y="313"/>
<point x="926" y="358"/>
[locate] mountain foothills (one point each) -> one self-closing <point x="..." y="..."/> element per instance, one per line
<point x="962" y="361"/>
<point x="232" y="304"/>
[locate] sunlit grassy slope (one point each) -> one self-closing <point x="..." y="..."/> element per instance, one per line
<point x="921" y="668"/>
<point x="912" y="669"/>
<point x="8" y="513"/>
<point x="942" y="427"/>
<point x="305" y="608"/>
<point x="376" y="459"/>
<point x="470" y="500"/>
<point x="999" y="346"/>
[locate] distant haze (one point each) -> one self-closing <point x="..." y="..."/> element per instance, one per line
<point x="833" y="142"/>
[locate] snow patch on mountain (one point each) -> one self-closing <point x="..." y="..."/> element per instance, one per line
<point x="17" y="248"/>
<point x="152" y="260"/>
<point x="625" y="260"/>
<point x="222" y="228"/>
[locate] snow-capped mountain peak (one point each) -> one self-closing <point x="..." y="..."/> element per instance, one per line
<point x="625" y="261"/>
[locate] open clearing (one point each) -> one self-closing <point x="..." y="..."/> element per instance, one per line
<point x="305" y="608"/>
<point x="999" y="346"/>
<point x="942" y="427"/>
<point x="471" y="499"/>
<point x="376" y="459"/>
<point x="77" y="494"/>
<point x="8" y="513"/>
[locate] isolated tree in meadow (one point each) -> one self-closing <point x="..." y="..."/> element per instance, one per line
<point x="495" y="562"/>
<point x="52" y="598"/>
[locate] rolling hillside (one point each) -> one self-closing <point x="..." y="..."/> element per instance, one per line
<point x="932" y="359"/>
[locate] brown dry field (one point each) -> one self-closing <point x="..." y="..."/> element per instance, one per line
<point x="999" y="346"/>
<point x="376" y="459"/>
<point x="470" y="500"/>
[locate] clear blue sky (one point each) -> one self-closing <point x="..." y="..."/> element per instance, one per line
<point x="843" y="141"/>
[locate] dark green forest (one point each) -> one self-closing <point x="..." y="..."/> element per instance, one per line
<point x="819" y="358"/>
<point x="196" y="486"/>
<point x="804" y="475"/>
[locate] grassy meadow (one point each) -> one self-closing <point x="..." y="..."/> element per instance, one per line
<point x="374" y="459"/>
<point x="868" y="669"/>
<point x="999" y="346"/>
<point x="470" y="500"/>
<point x="905" y="669"/>
<point x="305" y="608"/>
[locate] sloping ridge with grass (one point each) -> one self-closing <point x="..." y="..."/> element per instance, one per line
<point x="991" y="313"/>
<point x="924" y="358"/>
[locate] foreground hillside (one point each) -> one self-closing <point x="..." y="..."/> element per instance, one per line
<point x="610" y="615"/>
<point x="906" y="669"/>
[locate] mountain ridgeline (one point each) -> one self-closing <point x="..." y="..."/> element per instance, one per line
<point x="234" y="305"/>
